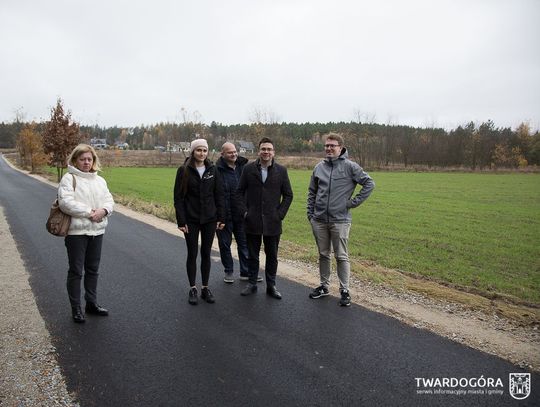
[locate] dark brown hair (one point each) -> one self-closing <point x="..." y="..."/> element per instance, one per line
<point x="265" y="140"/>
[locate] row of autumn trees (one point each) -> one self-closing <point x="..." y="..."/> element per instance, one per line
<point x="50" y="142"/>
<point x="374" y="145"/>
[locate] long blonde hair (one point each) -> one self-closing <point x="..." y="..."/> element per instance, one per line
<point x="81" y="149"/>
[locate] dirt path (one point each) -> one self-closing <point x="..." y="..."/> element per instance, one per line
<point x="30" y="375"/>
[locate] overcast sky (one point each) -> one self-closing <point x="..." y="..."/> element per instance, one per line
<point x="415" y="62"/>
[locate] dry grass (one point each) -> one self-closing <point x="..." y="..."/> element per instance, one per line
<point x="512" y="308"/>
<point x="152" y="208"/>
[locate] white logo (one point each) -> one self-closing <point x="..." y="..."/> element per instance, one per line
<point x="520" y="385"/>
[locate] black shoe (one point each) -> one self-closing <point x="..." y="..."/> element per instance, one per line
<point x="345" y="300"/>
<point x="249" y="289"/>
<point x="320" y="291"/>
<point x="272" y="292"/>
<point x="77" y="314"/>
<point x="92" y="308"/>
<point x="207" y="295"/>
<point x="193" y="296"/>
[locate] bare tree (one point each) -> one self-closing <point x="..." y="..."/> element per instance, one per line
<point x="264" y="123"/>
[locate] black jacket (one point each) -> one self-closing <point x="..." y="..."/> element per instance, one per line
<point x="230" y="179"/>
<point x="203" y="201"/>
<point x="265" y="204"/>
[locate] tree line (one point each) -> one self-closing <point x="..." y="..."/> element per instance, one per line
<point x="373" y="145"/>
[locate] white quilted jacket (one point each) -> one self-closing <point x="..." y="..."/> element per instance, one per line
<point x="91" y="192"/>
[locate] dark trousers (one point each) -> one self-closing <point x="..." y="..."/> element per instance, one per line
<point x="207" y="232"/>
<point x="225" y="239"/>
<point x="271" y="244"/>
<point x="84" y="254"/>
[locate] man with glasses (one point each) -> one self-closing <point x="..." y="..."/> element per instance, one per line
<point x="330" y="198"/>
<point x="264" y="195"/>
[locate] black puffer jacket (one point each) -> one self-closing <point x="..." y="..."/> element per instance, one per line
<point x="265" y="204"/>
<point x="203" y="201"/>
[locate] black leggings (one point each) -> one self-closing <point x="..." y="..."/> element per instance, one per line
<point x="207" y="231"/>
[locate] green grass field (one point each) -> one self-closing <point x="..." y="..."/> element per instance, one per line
<point x="474" y="230"/>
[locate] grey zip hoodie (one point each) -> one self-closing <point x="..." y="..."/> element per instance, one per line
<point x="331" y="187"/>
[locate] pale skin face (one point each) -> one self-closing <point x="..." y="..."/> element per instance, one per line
<point x="199" y="155"/>
<point x="84" y="163"/>
<point x="332" y="149"/>
<point x="229" y="154"/>
<point x="266" y="154"/>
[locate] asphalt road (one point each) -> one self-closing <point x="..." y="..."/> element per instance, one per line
<point x="156" y="350"/>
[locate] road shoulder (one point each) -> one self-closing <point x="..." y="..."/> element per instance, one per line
<point x="29" y="372"/>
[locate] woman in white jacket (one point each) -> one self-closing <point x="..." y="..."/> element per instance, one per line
<point x="90" y="204"/>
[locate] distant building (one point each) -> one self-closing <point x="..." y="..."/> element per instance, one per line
<point x="245" y="147"/>
<point x="181" y="146"/>
<point x="121" y="145"/>
<point x="99" y="143"/>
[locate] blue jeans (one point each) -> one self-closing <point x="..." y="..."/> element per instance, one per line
<point x="225" y="239"/>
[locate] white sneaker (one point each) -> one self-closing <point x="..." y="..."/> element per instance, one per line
<point x="228" y="278"/>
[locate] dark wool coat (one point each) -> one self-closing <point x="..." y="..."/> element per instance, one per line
<point x="264" y="205"/>
<point x="203" y="201"/>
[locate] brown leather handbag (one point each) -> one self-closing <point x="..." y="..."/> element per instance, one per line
<point x="58" y="222"/>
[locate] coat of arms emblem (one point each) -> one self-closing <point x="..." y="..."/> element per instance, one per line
<point x="520" y="385"/>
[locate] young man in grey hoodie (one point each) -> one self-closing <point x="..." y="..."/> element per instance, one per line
<point x="330" y="199"/>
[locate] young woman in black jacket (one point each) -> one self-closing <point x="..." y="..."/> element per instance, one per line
<point x="199" y="205"/>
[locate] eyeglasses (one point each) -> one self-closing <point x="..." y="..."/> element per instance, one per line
<point x="331" y="145"/>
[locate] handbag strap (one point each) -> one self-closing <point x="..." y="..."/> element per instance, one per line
<point x="74" y="183"/>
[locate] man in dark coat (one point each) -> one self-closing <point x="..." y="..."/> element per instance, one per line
<point x="264" y="195"/>
<point x="230" y="165"/>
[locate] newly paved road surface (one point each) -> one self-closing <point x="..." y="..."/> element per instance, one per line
<point x="156" y="350"/>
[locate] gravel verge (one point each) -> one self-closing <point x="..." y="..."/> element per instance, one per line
<point x="29" y="372"/>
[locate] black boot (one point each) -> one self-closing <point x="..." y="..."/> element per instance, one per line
<point x="249" y="289"/>
<point x="93" y="308"/>
<point x="207" y="295"/>
<point x="77" y="314"/>
<point x="272" y="292"/>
